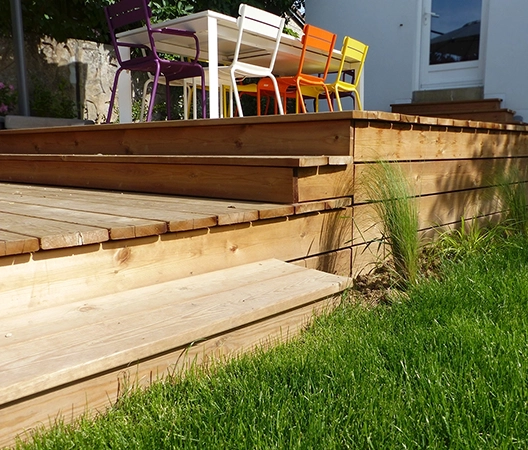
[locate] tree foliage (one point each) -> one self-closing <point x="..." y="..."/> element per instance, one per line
<point x="84" y="19"/>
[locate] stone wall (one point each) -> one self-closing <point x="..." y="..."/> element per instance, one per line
<point x="81" y="71"/>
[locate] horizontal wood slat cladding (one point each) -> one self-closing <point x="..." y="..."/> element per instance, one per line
<point x="376" y="140"/>
<point x="293" y="135"/>
<point x="56" y="277"/>
<point x="268" y="184"/>
<point x="434" y="211"/>
<point x="433" y="177"/>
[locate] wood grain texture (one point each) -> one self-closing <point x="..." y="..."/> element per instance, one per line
<point x="56" y="277"/>
<point x="268" y="184"/>
<point x="278" y="135"/>
<point x="185" y="160"/>
<point x="44" y="351"/>
<point x="436" y="177"/>
<point x="93" y="395"/>
<point x="179" y="212"/>
<point x="400" y="141"/>
<point x="16" y="243"/>
<point x="434" y="211"/>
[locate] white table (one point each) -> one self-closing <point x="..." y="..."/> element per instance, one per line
<point x="217" y="34"/>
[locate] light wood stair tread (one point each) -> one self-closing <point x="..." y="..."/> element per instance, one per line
<point x="45" y="349"/>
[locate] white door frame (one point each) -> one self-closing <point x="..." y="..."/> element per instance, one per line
<point x="451" y="75"/>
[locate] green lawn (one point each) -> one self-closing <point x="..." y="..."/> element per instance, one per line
<point x="445" y="368"/>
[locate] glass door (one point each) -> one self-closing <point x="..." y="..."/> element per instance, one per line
<point x="452" y="46"/>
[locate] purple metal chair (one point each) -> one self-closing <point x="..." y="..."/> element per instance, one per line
<point x="125" y="13"/>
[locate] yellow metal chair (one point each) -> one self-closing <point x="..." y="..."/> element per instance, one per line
<point x="352" y="50"/>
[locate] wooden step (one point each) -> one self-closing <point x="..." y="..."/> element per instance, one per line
<point x="490" y="104"/>
<point x="69" y="357"/>
<point x="485" y="110"/>
<point x="267" y="178"/>
<point x="291" y="134"/>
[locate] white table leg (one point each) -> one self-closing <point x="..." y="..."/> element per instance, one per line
<point x="124" y="91"/>
<point x="212" y="42"/>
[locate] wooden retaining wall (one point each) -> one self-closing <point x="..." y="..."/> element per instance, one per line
<point x="288" y="189"/>
<point x="453" y="167"/>
<point x="453" y="164"/>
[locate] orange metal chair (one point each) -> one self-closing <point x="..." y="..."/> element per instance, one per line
<point x="291" y="87"/>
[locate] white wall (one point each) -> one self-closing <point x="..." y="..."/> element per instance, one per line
<point x="506" y="69"/>
<point x="390" y="29"/>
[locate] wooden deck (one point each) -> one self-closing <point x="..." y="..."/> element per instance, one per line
<point x="152" y="238"/>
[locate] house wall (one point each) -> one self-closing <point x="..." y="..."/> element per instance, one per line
<point x="392" y="30"/>
<point x="506" y="70"/>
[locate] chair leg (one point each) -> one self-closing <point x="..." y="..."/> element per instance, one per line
<point x="143" y="97"/>
<point x="194" y="97"/>
<point x="112" y="97"/>
<point x="328" y="99"/>
<point x="168" y="98"/>
<point x="153" y="95"/>
<point x="301" y="98"/>
<point x="277" y="94"/>
<point x="237" y="98"/>
<point x="204" y="102"/>
<point x="338" y="98"/>
<point x="358" y="104"/>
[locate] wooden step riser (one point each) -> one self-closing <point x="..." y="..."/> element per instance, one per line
<point x="292" y="135"/>
<point x="49" y="358"/>
<point x="488" y="110"/>
<point x="505" y="116"/>
<point x="268" y="184"/>
<point x="95" y="394"/>
<point x="55" y="277"/>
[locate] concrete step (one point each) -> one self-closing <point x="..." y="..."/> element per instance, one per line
<point x="485" y="110"/>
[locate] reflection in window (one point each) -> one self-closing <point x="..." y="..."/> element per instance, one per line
<point x="455" y="31"/>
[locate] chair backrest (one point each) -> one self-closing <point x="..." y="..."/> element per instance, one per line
<point x="319" y="39"/>
<point x="124" y="14"/>
<point x="261" y="23"/>
<point x="355" y="50"/>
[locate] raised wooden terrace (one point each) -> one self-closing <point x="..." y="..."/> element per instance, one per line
<point x="129" y="250"/>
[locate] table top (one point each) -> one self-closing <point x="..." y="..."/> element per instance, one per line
<point x="255" y="48"/>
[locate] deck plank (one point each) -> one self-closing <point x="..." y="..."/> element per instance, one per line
<point x="16" y="243"/>
<point x="177" y="211"/>
<point x="118" y="227"/>
<point x="53" y="234"/>
<point x="141" y="206"/>
<point x="98" y="340"/>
